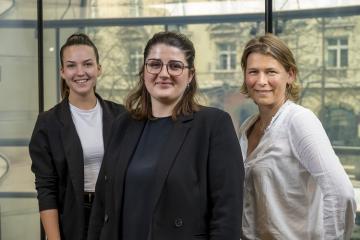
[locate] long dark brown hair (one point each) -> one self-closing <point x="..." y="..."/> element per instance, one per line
<point x="138" y="103"/>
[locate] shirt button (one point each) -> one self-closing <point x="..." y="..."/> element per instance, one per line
<point x="105" y="178"/>
<point x="178" y="222"/>
<point x="106" y="218"/>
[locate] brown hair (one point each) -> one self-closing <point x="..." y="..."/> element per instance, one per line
<point x="138" y="103"/>
<point x="75" y="39"/>
<point x="273" y="46"/>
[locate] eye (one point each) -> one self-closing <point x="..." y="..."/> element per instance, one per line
<point x="272" y="72"/>
<point x="70" y="65"/>
<point x="154" y="64"/>
<point x="88" y="64"/>
<point x="175" y="65"/>
<point x="252" y="72"/>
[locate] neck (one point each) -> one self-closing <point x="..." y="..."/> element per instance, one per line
<point x="83" y="102"/>
<point x="162" y="110"/>
<point x="267" y="113"/>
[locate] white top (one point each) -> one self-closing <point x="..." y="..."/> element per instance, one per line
<point x="295" y="185"/>
<point x="89" y="127"/>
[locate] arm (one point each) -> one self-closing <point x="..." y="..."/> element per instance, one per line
<point x="50" y="220"/>
<point x="313" y="149"/>
<point x="45" y="179"/>
<point x="225" y="176"/>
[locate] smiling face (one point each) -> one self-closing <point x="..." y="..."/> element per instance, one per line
<point x="266" y="80"/>
<point x="163" y="88"/>
<point x="80" y="70"/>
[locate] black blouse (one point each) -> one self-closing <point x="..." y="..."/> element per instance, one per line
<point x="138" y="201"/>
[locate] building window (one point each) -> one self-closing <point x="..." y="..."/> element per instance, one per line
<point x="136" y="61"/>
<point x="226" y="56"/>
<point x="337" y="49"/>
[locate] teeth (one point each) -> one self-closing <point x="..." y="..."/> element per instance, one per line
<point x="81" y="81"/>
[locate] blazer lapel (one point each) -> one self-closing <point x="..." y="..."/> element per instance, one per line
<point x="125" y="152"/>
<point x="171" y="149"/>
<point x="108" y="119"/>
<point x="73" y="150"/>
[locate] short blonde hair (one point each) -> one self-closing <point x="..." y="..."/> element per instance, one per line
<point x="273" y="46"/>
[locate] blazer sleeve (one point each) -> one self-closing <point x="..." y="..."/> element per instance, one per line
<point x="46" y="178"/>
<point x="226" y="177"/>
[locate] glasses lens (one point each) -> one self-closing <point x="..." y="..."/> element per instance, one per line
<point x="154" y="66"/>
<point x="175" y="68"/>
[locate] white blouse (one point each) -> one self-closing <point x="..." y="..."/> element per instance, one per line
<point x="89" y="127"/>
<point x="295" y="185"/>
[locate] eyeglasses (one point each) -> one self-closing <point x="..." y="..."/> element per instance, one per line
<point x="173" y="67"/>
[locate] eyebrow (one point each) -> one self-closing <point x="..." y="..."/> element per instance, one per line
<point x="86" y="60"/>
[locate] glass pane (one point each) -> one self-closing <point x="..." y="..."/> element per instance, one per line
<point x="331" y="94"/>
<point x="223" y="61"/>
<point x="18" y="112"/>
<point x="344" y="42"/>
<point x="332" y="55"/>
<point x="332" y="42"/>
<point x="344" y="58"/>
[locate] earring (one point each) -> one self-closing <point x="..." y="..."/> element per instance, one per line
<point x="187" y="85"/>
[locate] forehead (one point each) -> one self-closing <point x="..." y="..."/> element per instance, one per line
<point x="262" y="60"/>
<point x="166" y="52"/>
<point x="79" y="51"/>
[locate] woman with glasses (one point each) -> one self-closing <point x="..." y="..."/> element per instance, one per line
<point x="173" y="169"/>
<point x="68" y="143"/>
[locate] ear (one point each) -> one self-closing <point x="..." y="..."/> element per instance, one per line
<point x="62" y="72"/>
<point x="99" y="69"/>
<point x="191" y="75"/>
<point x="291" y="76"/>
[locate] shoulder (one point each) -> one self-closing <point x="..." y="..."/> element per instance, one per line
<point x="53" y="113"/>
<point x="205" y="112"/>
<point x="112" y="106"/>
<point x="302" y="123"/>
<point x="297" y="114"/>
<point x="212" y="118"/>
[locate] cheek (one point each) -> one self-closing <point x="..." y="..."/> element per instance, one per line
<point x="277" y="83"/>
<point x="148" y="78"/>
<point x="250" y="82"/>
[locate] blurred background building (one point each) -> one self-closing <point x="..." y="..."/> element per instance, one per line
<point x="323" y="35"/>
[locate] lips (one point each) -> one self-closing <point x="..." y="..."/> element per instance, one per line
<point x="81" y="80"/>
<point x="263" y="91"/>
<point x="163" y="83"/>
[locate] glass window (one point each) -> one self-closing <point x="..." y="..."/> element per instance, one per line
<point x="337" y="53"/>
<point x="136" y="61"/>
<point x="226" y="56"/>
<point x="18" y="113"/>
<point x="323" y="47"/>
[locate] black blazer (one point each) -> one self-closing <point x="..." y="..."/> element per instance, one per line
<point x="58" y="164"/>
<point x="199" y="183"/>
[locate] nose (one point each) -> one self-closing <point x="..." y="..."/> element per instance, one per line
<point x="262" y="80"/>
<point x="80" y="70"/>
<point x="164" y="72"/>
